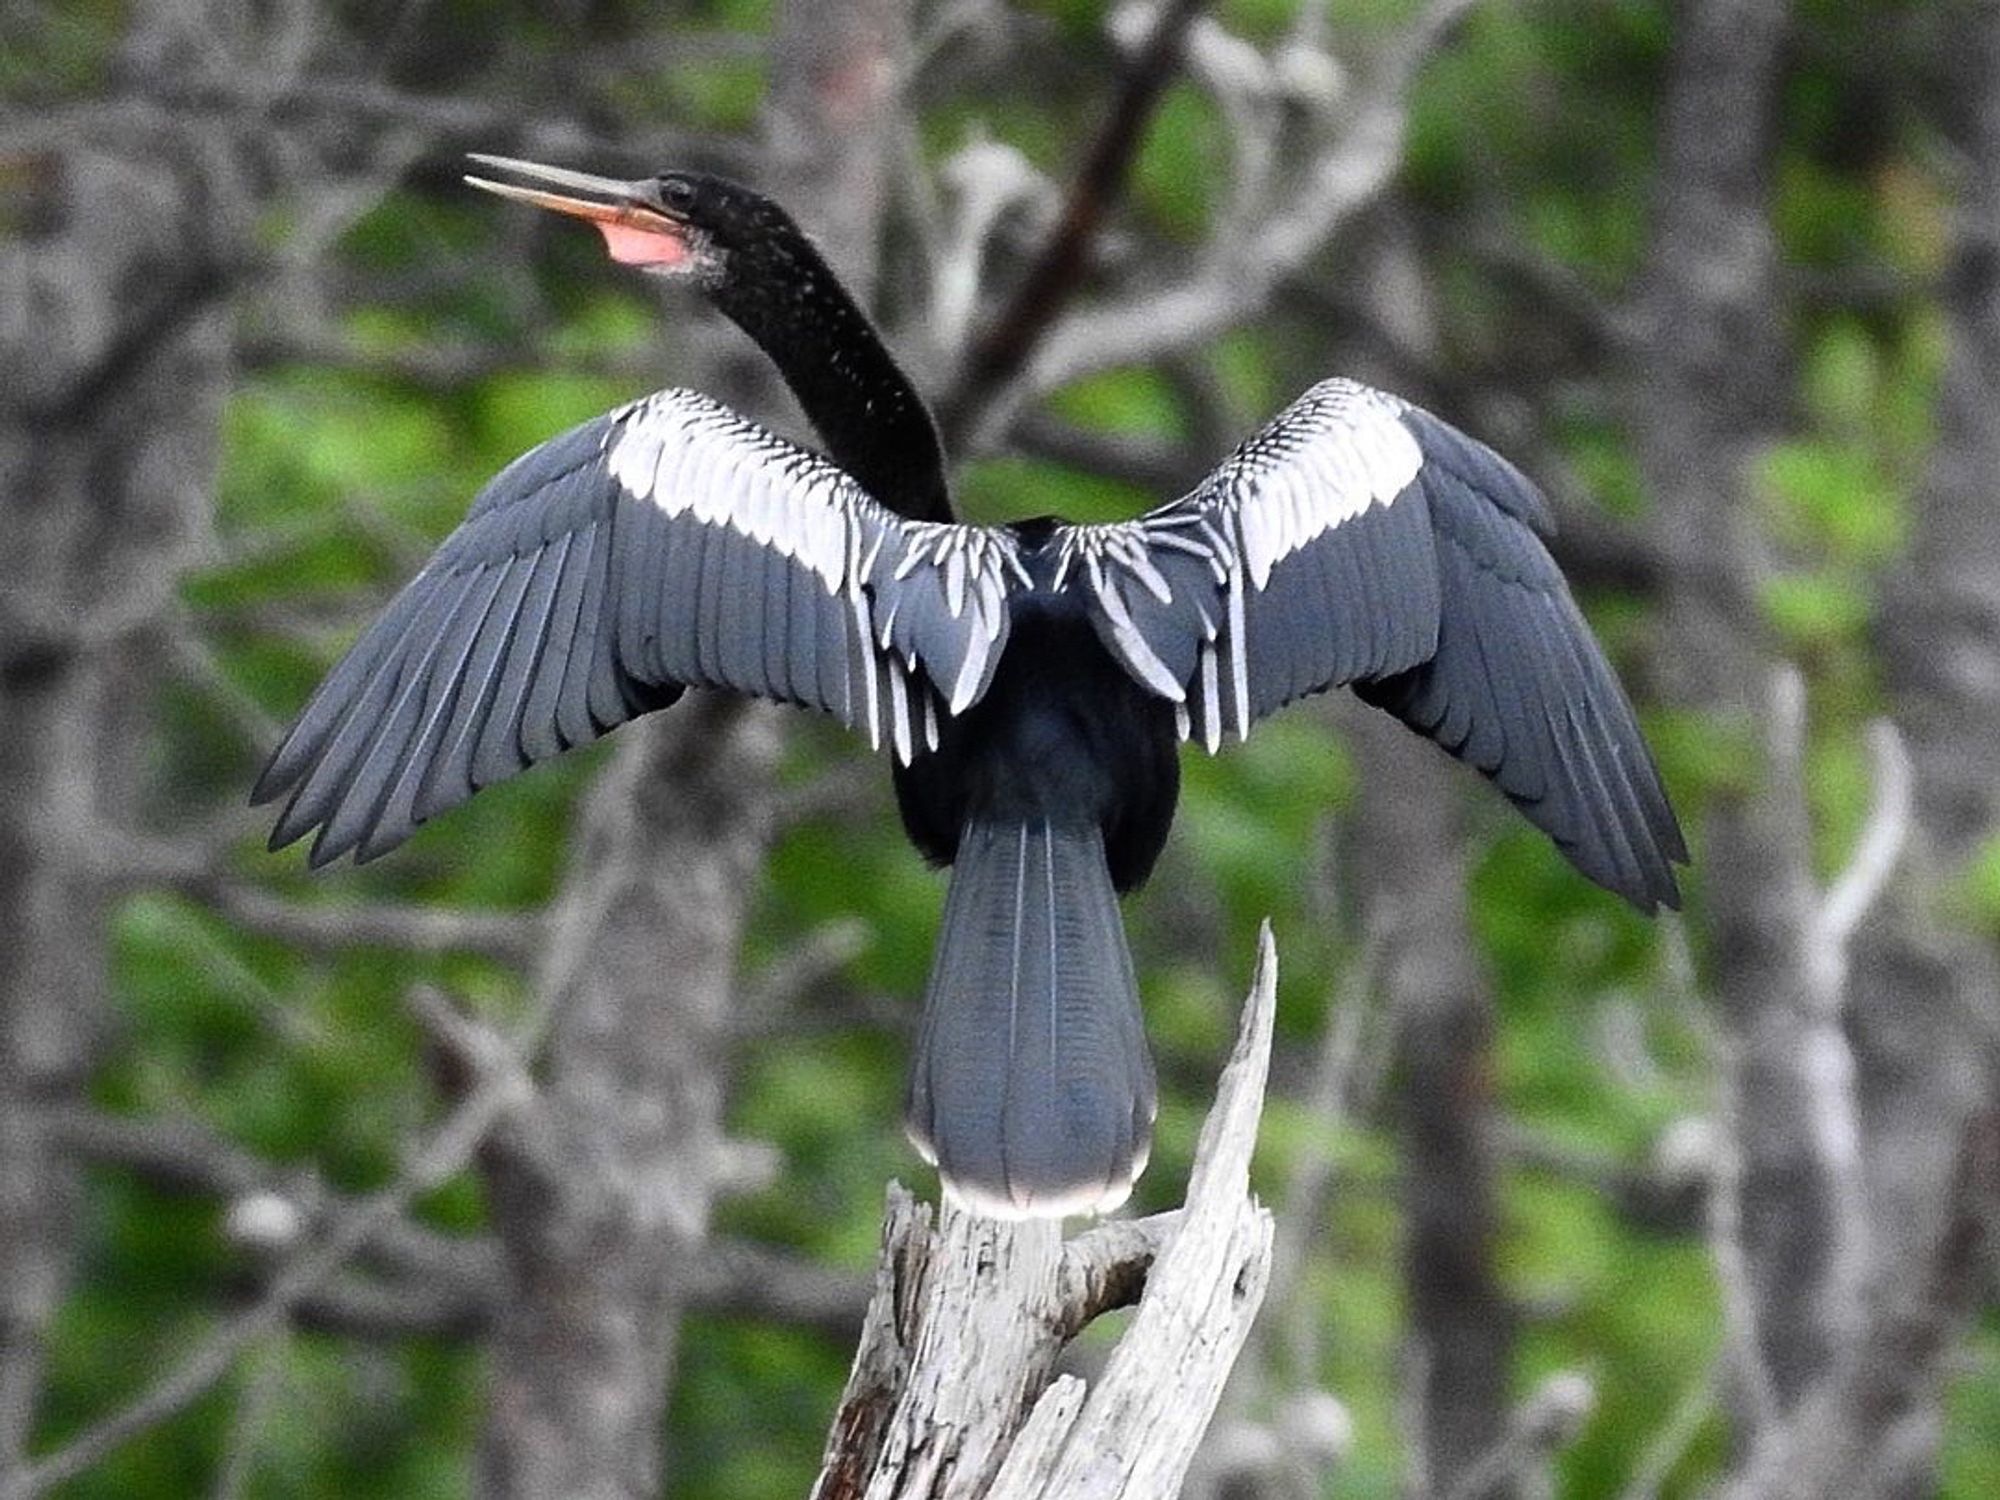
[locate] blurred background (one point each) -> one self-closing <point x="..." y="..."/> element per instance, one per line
<point x="547" y="1156"/>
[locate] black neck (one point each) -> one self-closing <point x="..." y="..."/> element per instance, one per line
<point x="873" y="422"/>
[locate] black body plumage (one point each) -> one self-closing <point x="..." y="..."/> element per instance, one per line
<point x="1032" y="682"/>
<point x="1062" y="732"/>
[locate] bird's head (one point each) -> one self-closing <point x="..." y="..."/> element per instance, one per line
<point x="681" y="224"/>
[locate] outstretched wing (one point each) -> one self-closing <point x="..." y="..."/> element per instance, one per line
<point x="1358" y="539"/>
<point x="669" y="543"/>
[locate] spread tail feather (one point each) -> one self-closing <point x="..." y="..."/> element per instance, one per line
<point x="1031" y="1088"/>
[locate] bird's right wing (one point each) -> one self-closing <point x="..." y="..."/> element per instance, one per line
<point x="1358" y="539"/>
<point x="667" y="544"/>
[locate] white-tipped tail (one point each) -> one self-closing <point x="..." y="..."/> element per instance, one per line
<point x="1032" y="1089"/>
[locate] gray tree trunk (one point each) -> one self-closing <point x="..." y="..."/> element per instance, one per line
<point x="603" y="1191"/>
<point x="1926" y="993"/>
<point x="1844" y="1232"/>
<point x="1929" y="993"/>
<point x="116" y="351"/>
<point x="1707" y="394"/>
<point x="1411" y="866"/>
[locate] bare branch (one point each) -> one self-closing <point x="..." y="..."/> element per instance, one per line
<point x="445" y="1152"/>
<point x="1742" y="1312"/>
<point x="511" y="938"/>
<point x="1328" y="1101"/>
<point x="1291" y="1456"/>
<point x="197" y="659"/>
<point x="989" y="180"/>
<point x="179" y="1155"/>
<point x="424" y="1281"/>
<point x="469" y="1042"/>
<point x="1664" y="1196"/>
<point x="262" y="1382"/>
<point x="1880" y="846"/>
<point x="247" y="99"/>
<point x="1245" y="265"/>
<point x="170" y="308"/>
<point x="1052" y="280"/>
<point x="1825" y="1059"/>
<point x="360" y="1307"/>
<point x="725" y="1277"/>
<point x="1105" y="1268"/>
<point x="807" y="965"/>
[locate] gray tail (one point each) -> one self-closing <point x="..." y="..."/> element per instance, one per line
<point x="1031" y="1088"/>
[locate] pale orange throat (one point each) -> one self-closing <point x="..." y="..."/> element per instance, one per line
<point x="643" y="247"/>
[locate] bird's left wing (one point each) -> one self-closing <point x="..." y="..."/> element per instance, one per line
<point x="1358" y="539"/>
<point x="664" y="545"/>
<point x="1304" y="561"/>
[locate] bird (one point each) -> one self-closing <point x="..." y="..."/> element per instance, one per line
<point x="1032" y="683"/>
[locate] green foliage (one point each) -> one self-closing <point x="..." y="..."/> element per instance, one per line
<point x="750" y="1407"/>
<point x="1980" y="886"/>
<point x="1243" y="368"/>
<point x="1013" y="489"/>
<point x="1814" y="610"/>
<point x="54" y="50"/>
<point x="1971" y="1458"/>
<point x="716" y="94"/>
<point x="1184" y="154"/>
<point x="1134" y="401"/>
<point x="1830" y="501"/>
<point x="1544" y="114"/>
<point x="1604" y="466"/>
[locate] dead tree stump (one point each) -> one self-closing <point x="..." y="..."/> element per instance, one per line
<point x="953" y="1391"/>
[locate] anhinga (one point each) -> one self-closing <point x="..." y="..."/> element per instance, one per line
<point x="1032" y="680"/>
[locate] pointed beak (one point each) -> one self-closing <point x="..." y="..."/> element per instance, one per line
<point x="636" y="231"/>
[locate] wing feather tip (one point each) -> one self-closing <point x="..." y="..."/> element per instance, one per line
<point x="270" y="785"/>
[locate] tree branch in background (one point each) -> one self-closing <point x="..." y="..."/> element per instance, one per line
<point x="1000" y="352"/>
<point x="1704" y="401"/>
<point x="1852" y="1098"/>
<point x="1461" y="1327"/>
<point x="605" y="1187"/>
<point x="500" y="1086"/>
<point x="245" y="101"/>
<point x="1665" y="1196"/>
<point x="920" y="1418"/>
<point x="1354" y="1047"/>
<point x="110" y="297"/>
<point x="418" y="1280"/>
<point x="1242" y="267"/>
<point x="512" y="938"/>
<point x="1536" y="1431"/>
<point x="1920" y="1007"/>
